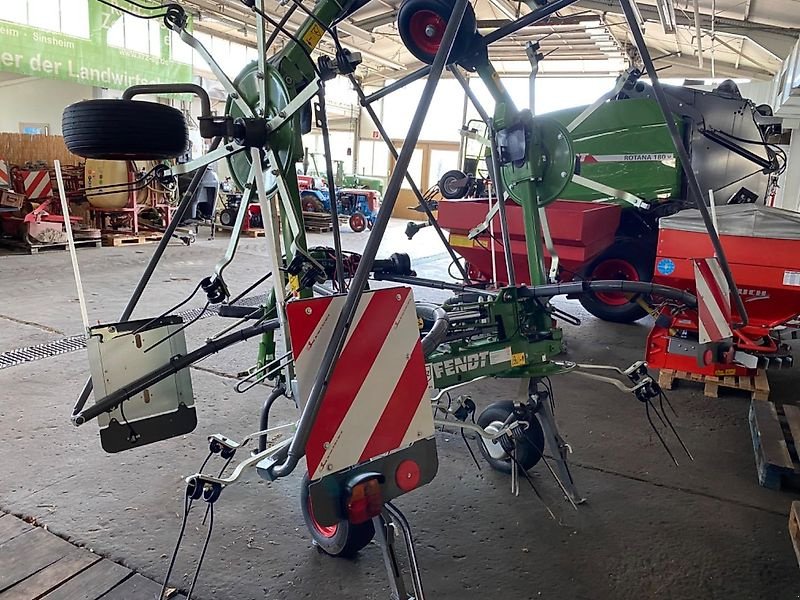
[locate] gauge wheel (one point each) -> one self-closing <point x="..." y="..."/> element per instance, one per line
<point x="454" y="185"/>
<point x="421" y="24"/>
<point x="124" y="130"/>
<point x="528" y="449"/>
<point x="227" y="217"/>
<point x="358" y="222"/>
<point x="626" y="259"/>
<point x="343" y="539"/>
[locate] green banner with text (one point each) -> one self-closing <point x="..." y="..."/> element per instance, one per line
<point x="93" y="61"/>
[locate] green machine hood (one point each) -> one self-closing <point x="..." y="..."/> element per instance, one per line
<point x="624" y="144"/>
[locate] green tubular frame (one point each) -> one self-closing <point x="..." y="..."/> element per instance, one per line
<point x="525" y="336"/>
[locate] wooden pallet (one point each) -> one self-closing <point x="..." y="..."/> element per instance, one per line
<point x="316" y="222"/>
<point x="776" y="441"/>
<point x="757" y="385"/>
<point x="36" y="248"/>
<point x="319" y="228"/>
<point x="254" y="233"/>
<point x="37" y="564"/>
<point x="126" y="239"/>
<point x="794" y="527"/>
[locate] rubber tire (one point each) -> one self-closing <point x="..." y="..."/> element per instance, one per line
<point x="358" y="222"/>
<point x="227" y="217"/>
<point x="310" y="203"/>
<point x="347" y="540"/>
<point x="125" y="130"/>
<point x="641" y="258"/>
<point x="529" y="450"/>
<point x="444" y="8"/>
<point x="448" y="188"/>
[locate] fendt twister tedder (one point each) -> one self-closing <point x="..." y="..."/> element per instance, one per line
<point x="368" y="381"/>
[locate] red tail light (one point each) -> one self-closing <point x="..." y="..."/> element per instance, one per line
<point x="365" y="500"/>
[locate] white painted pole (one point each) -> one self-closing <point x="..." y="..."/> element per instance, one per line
<point x="71" y="243"/>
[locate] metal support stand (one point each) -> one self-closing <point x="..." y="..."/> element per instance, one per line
<point x="385" y="532"/>
<point x="558" y="447"/>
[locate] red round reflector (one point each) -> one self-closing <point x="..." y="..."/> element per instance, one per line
<point x="708" y="357"/>
<point x="407" y="475"/>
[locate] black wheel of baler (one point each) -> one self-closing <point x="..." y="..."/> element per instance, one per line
<point x="454" y="185"/>
<point x="227" y="217"/>
<point x="125" y="130"/>
<point x="528" y="449"/>
<point x="343" y="539"/>
<point x="627" y="259"/>
<point x="421" y="24"/>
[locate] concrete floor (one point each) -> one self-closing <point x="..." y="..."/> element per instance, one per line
<point x="648" y="530"/>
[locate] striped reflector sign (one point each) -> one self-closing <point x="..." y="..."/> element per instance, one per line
<point x="377" y="399"/>
<point x="713" y="301"/>
<point x="5" y="176"/>
<point x="37" y="185"/>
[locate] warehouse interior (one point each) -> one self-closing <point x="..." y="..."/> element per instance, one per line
<point x="399" y="298"/>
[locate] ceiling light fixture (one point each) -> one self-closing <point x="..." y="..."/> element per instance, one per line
<point x="666" y="13"/>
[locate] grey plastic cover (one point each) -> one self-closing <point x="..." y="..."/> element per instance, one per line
<point x="744" y="220"/>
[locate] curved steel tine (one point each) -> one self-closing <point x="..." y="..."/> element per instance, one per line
<point x="259" y="375"/>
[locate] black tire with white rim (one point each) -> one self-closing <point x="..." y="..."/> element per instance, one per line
<point x="528" y="449"/>
<point x="227" y="217"/>
<point x="454" y="185"/>
<point x="343" y="539"/>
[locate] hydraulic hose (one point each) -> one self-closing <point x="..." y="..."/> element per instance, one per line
<point x="586" y="287"/>
<point x="278" y="391"/>
<point x="438" y="331"/>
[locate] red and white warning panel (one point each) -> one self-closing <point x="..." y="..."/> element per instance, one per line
<point x="377" y="399"/>
<point x="713" y="301"/>
<point x="375" y="423"/>
<point x="36" y="185"/>
<point x="5" y="174"/>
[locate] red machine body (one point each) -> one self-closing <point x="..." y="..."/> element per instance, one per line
<point x="580" y="232"/>
<point x="762" y="245"/>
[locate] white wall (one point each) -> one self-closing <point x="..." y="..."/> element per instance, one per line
<point x="31" y="100"/>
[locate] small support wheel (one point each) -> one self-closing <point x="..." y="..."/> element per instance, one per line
<point x="343" y="539"/>
<point x="227" y="217"/>
<point x="421" y="24"/>
<point x="454" y="185"/>
<point x="528" y="449"/>
<point x="358" y="222"/>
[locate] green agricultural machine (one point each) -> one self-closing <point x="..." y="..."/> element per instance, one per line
<point x="625" y="157"/>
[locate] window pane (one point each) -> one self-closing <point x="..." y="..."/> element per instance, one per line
<point x="414" y="169"/>
<point x="75" y="17"/>
<point x="155" y="37"/>
<point x="16" y="12"/>
<point x="442" y="161"/>
<point x="137" y="35"/>
<point x="116" y="34"/>
<point x="44" y="14"/>
<point x="181" y="51"/>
